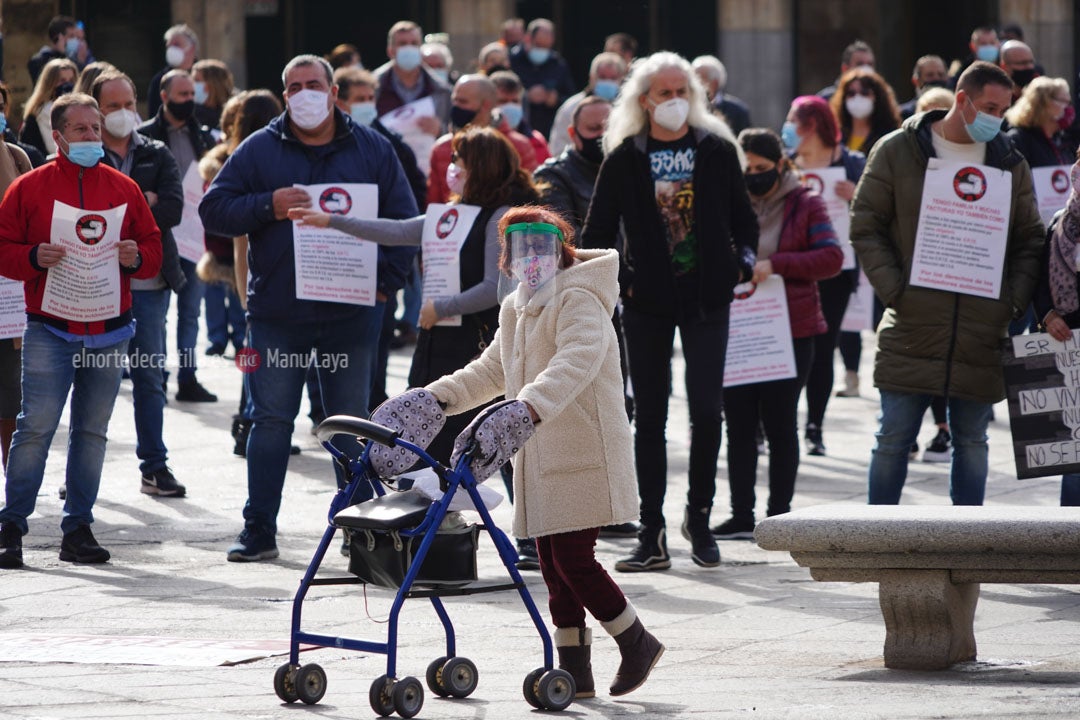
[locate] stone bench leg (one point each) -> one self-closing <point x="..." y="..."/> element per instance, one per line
<point x="928" y="619"/>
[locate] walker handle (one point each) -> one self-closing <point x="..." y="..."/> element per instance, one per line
<point x="349" y="425"/>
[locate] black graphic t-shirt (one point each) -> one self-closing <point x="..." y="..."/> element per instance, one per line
<point x="672" y="165"/>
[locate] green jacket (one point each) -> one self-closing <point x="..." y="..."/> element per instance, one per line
<point x="934" y="341"/>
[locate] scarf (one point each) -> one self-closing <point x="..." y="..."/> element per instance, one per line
<point x="1062" y="265"/>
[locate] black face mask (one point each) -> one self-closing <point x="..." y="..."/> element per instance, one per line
<point x="1023" y="77"/>
<point x="63" y="89"/>
<point x="592" y="149"/>
<point x="757" y="184"/>
<point x="460" y="117"/>
<point x="181" y="110"/>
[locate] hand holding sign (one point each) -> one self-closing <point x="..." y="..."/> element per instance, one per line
<point x="289" y="197"/>
<point x="49" y="254"/>
<point x="128" y="252"/>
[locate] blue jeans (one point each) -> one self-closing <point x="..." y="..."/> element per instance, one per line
<point x="188" y="307"/>
<point x="901" y="416"/>
<point x="51" y="367"/>
<point x="1070" y="490"/>
<point x="225" y="319"/>
<point x="277" y="385"/>
<point x="146" y="354"/>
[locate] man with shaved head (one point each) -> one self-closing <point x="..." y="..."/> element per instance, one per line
<point x="472" y="101"/>
<point x="1019" y="62"/>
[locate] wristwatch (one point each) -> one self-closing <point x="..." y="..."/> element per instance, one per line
<point x="137" y="265"/>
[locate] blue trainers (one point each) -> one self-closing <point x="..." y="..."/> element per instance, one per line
<point x="252" y="546"/>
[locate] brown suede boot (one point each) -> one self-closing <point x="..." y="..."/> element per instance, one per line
<point x="575" y="657"/>
<point x="639" y="649"/>
<point x="7" y="429"/>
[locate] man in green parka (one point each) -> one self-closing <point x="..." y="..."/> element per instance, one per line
<point x="933" y="340"/>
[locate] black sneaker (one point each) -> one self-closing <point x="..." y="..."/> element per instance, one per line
<point x="252" y="545"/>
<point x="192" y="391"/>
<point x="62" y="491"/>
<point x="163" y="483"/>
<point x="621" y="530"/>
<point x="734" y="529"/>
<point x="814" y="444"/>
<point x="940" y="448"/>
<point x="80" y="546"/>
<point x="650" y="554"/>
<point x="528" y="558"/>
<point x="10" y="546"/>
<point x="695" y="528"/>
<point x="217" y="349"/>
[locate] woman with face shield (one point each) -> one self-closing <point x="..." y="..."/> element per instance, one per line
<point x="485" y="172"/>
<point x="556" y="353"/>
<point x="797" y="242"/>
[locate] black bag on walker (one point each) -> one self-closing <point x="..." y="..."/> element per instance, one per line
<point x="380" y="555"/>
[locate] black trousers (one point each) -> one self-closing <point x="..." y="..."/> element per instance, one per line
<point x="649" y="343"/>
<point x="835" y="294"/>
<point x="775" y="406"/>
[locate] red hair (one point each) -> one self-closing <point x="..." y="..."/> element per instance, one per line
<point x="536" y="214"/>
<point x="812" y="109"/>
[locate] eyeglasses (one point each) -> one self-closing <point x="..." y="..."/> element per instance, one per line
<point x="852" y="92"/>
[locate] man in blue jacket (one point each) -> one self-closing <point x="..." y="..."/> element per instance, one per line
<point x="311" y="143"/>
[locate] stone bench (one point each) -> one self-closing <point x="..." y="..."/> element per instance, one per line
<point x="928" y="562"/>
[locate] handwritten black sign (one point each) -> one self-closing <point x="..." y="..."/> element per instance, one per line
<point x="1042" y="381"/>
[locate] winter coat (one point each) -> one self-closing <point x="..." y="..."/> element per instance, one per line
<point x="154" y="169"/>
<point x="201" y="138"/>
<point x="566" y="185"/>
<point x="808" y="252"/>
<point x="26" y="220"/>
<point x="557" y="351"/>
<point x="724" y="223"/>
<point x="387" y="100"/>
<point x="439" y="191"/>
<point x="553" y="74"/>
<point x="1041" y="151"/>
<point x="239" y="202"/>
<point x="933" y="341"/>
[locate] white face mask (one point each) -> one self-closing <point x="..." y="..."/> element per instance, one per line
<point x="671" y="114"/>
<point x="533" y="271"/>
<point x="309" y="108"/>
<point x="121" y="123"/>
<point x="174" y="55"/>
<point x="455" y="178"/>
<point x="859" y="106"/>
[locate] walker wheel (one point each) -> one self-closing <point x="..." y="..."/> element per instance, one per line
<point x="555" y="689"/>
<point x="310" y="683"/>
<point x="459" y="677"/>
<point x="529" y="688"/>
<point x="380" y="696"/>
<point x="408" y="696"/>
<point x="434" y="680"/>
<point x="283" y="683"/>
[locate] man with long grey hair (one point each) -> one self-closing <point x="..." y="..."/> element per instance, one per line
<point x="673" y="178"/>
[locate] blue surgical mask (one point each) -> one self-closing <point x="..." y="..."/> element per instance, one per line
<point x="200" y="92"/>
<point x="71" y="47"/>
<point x="987" y="53"/>
<point x="407" y="57"/>
<point x="606" y="89"/>
<point x="539" y="56"/>
<point x="985" y="127"/>
<point x="3" y="123"/>
<point x="441" y="73"/>
<point x="86" y="153"/>
<point x="512" y="113"/>
<point x="789" y="134"/>
<point x="363" y="113"/>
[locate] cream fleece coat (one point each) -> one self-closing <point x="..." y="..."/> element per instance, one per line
<point x="557" y="351"/>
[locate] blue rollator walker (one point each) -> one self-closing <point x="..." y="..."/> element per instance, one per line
<point x="379" y="528"/>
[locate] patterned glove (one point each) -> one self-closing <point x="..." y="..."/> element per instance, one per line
<point x="417" y="416"/>
<point x="498" y="432"/>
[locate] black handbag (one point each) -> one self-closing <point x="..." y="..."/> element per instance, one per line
<point x="380" y="555"/>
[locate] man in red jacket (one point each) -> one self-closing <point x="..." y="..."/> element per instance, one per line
<point x="60" y="228"/>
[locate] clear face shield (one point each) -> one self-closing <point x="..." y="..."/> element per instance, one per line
<point x="535" y="249"/>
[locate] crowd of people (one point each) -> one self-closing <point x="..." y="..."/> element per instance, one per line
<point x="625" y="209"/>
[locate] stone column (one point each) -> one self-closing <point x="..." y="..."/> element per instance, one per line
<point x="220" y="25"/>
<point x="472" y="24"/>
<point x="1048" y="29"/>
<point x="756" y="43"/>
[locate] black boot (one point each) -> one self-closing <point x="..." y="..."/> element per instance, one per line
<point x="575" y="657"/>
<point x="240" y="429"/>
<point x="640" y="651"/>
<point x="695" y="528"/>
<point x="650" y="554"/>
<point x="10" y="546"/>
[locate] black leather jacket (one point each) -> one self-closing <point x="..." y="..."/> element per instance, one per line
<point x="566" y="185"/>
